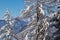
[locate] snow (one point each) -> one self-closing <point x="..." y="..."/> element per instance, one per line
<point x="27" y="27"/>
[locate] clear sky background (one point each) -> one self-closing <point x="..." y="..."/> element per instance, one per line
<point x="14" y="7"/>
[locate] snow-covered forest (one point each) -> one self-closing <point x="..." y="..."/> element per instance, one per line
<point x="40" y="20"/>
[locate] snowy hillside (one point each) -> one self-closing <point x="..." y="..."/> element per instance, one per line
<point x="34" y="24"/>
<point x="2" y="23"/>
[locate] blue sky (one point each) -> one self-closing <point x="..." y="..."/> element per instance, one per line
<point x="14" y="7"/>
